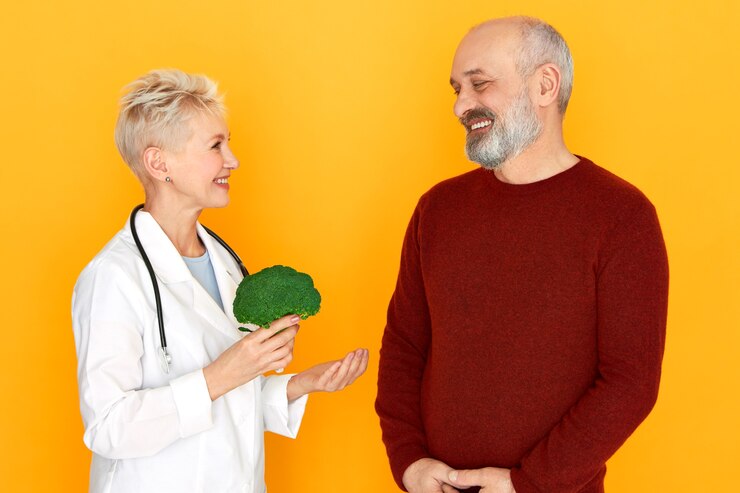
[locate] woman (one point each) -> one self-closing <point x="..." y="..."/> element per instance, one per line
<point x="193" y="422"/>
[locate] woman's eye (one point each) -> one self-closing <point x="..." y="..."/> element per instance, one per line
<point x="217" y="145"/>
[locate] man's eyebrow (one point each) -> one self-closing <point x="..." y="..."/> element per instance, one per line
<point x="468" y="73"/>
<point x="475" y="71"/>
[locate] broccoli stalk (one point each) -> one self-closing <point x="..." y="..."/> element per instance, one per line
<point x="273" y="293"/>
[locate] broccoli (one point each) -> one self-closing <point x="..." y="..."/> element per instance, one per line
<point x="273" y="293"/>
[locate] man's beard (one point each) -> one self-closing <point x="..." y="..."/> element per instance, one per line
<point x="516" y="129"/>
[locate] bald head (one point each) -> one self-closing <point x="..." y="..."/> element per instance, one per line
<point x="532" y="43"/>
<point x="512" y="78"/>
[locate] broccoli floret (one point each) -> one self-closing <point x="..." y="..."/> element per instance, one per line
<point x="273" y="293"/>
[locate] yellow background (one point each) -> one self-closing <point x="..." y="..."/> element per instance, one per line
<point x="341" y="115"/>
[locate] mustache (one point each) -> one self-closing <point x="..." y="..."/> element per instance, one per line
<point x="476" y="114"/>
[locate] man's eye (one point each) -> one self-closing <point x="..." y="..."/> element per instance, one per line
<point x="480" y="85"/>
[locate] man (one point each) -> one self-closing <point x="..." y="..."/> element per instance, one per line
<point x="526" y="332"/>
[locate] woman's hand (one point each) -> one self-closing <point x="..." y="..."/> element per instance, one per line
<point x="330" y="376"/>
<point x="261" y="351"/>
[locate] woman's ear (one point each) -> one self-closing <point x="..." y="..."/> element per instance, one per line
<point x="548" y="80"/>
<point x="154" y="164"/>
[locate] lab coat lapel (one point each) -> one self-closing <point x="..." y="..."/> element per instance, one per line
<point x="164" y="257"/>
<point x="172" y="271"/>
<point x="228" y="275"/>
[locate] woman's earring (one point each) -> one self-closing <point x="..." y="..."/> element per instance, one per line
<point x="168" y="179"/>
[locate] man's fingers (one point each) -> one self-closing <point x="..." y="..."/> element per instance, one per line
<point x="446" y="488"/>
<point x="466" y="477"/>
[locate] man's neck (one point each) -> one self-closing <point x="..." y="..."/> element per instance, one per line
<point x="543" y="159"/>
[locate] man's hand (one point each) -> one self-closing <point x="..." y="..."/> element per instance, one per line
<point x="490" y="479"/>
<point x="428" y="476"/>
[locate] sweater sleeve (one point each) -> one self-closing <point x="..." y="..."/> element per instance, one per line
<point x="632" y="297"/>
<point x="402" y="361"/>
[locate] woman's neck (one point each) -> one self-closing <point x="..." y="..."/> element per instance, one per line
<point x="179" y="226"/>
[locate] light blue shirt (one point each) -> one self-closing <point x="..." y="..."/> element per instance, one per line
<point x="202" y="270"/>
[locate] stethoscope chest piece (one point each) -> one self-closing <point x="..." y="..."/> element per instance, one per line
<point x="164" y="360"/>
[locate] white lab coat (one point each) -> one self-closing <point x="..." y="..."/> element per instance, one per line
<point x="156" y="432"/>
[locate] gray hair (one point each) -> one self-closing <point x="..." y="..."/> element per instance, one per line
<point x="541" y="44"/>
<point x="155" y="110"/>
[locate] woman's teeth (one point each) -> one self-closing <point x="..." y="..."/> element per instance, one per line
<point x="221" y="181"/>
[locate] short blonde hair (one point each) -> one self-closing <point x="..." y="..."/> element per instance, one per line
<point x="155" y="110"/>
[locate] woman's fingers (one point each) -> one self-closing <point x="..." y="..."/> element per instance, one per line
<point x="362" y="366"/>
<point x="276" y="326"/>
<point x="352" y="366"/>
<point x="279" y="353"/>
<point x="278" y="340"/>
<point x="341" y="372"/>
<point x="281" y="363"/>
<point x="328" y="375"/>
<point x="357" y="367"/>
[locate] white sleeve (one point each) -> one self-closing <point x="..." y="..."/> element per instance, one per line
<point x="122" y="419"/>
<point x="280" y="416"/>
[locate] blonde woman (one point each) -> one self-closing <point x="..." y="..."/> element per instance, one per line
<point x="186" y="411"/>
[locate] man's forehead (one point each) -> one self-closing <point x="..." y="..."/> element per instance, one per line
<point x="484" y="53"/>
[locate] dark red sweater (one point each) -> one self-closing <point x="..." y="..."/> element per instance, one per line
<point x="527" y="327"/>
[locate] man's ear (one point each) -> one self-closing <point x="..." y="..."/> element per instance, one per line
<point x="154" y="163"/>
<point x="548" y="84"/>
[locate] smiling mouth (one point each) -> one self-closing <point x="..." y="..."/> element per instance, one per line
<point x="221" y="181"/>
<point x="480" y="124"/>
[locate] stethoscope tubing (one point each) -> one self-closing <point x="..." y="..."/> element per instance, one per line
<point x="166" y="358"/>
<point x="155" y="284"/>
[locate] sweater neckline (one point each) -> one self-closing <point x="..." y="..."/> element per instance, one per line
<point x="554" y="181"/>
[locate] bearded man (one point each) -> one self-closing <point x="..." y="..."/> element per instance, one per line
<point x="526" y="331"/>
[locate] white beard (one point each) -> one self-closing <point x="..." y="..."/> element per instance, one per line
<point x="518" y="128"/>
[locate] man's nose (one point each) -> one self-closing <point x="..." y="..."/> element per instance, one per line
<point x="463" y="103"/>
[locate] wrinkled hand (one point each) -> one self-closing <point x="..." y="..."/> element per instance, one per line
<point x="254" y="354"/>
<point x="490" y="479"/>
<point x="330" y="376"/>
<point x="428" y="476"/>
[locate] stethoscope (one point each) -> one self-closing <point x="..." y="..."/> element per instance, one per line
<point x="165" y="358"/>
